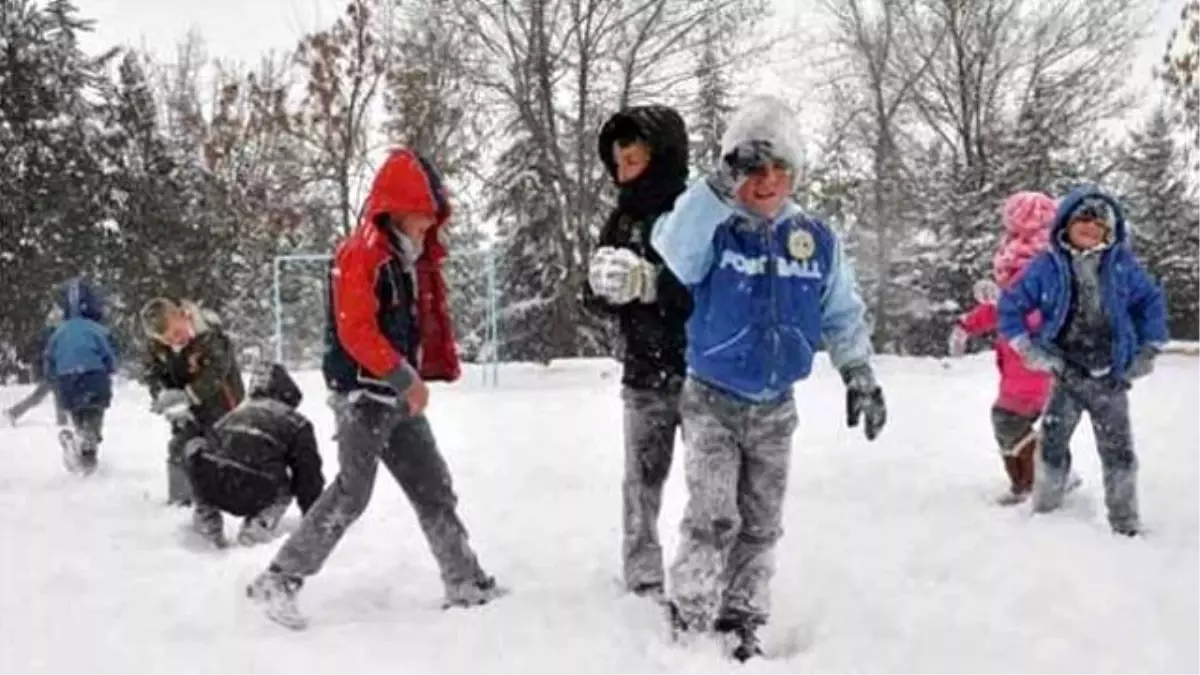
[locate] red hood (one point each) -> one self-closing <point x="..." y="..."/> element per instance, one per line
<point x="408" y="183"/>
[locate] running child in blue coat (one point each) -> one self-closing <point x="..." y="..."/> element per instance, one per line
<point x="1104" y="322"/>
<point x="770" y="286"/>
<point x="80" y="361"/>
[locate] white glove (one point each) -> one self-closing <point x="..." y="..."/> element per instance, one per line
<point x="958" y="341"/>
<point x="173" y="404"/>
<point x="1036" y="358"/>
<point x="621" y="276"/>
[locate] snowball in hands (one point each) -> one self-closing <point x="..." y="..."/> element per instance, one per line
<point x="621" y="276"/>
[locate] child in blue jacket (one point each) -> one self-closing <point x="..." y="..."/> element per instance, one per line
<point x="79" y="360"/>
<point x="770" y="285"/>
<point x="1104" y="322"/>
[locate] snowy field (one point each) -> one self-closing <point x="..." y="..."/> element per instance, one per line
<point x="894" y="557"/>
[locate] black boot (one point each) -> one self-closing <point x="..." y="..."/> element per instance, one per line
<point x="745" y="631"/>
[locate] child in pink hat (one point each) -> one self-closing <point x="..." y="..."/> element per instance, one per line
<point x="1023" y="392"/>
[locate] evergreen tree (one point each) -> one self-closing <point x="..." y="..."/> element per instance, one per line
<point x="1163" y="219"/>
<point x="51" y="211"/>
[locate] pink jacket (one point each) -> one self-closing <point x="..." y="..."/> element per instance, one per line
<point x="1022" y="391"/>
<point x="1027" y="217"/>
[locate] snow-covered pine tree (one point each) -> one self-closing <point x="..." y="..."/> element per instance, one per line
<point x="1163" y="218"/>
<point x="51" y="210"/>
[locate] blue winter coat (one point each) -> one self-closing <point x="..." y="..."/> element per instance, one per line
<point x="1135" y="305"/>
<point x="79" y="356"/>
<point x="766" y="294"/>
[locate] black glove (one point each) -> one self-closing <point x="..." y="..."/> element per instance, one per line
<point x="1143" y="363"/>
<point x="864" y="399"/>
<point x="737" y="164"/>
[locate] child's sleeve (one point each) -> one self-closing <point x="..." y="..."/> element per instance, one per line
<point x="48" y="357"/>
<point x="1147" y="308"/>
<point x="305" y="464"/>
<point x="980" y="320"/>
<point x="1019" y="300"/>
<point x="152" y="373"/>
<point x="684" y="237"/>
<point x="207" y="384"/>
<point x="107" y="352"/>
<point x="844" y="328"/>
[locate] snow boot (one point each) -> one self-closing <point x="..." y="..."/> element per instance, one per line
<point x="651" y="591"/>
<point x="744" y="634"/>
<point x="680" y="629"/>
<point x="275" y="593"/>
<point x="70" y="450"/>
<point x="1019" y="466"/>
<point x="473" y="594"/>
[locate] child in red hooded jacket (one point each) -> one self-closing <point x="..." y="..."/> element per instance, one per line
<point x="1023" y="392"/>
<point x="389" y="332"/>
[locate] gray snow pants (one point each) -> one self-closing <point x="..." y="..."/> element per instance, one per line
<point x="369" y="432"/>
<point x="737" y="461"/>
<point x="1107" y="404"/>
<point x="651" y="417"/>
<point x="43" y="389"/>
<point x="208" y="520"/>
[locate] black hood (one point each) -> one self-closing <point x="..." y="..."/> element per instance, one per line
<point x="272" y="381"/>
<point x="665" y="178"/>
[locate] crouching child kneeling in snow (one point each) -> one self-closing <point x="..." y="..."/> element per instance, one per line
<point x="769" y="284"/>
<point x="254" y="461"/>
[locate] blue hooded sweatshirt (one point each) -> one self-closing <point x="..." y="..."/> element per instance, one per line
<point x="79" y="356"/>
<point x="1134" y="305"/>
<point x="767" y="293"/>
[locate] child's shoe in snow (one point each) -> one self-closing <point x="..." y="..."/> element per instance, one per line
<point x="651" y="591"/>
<point x="473" y="594"/>
<point x="1013" y="497"/>
<point x="88" y="461"/>
<point x="1126" y="529"/>
<point x="743" y="632"/>
<point x="276" y="594"/>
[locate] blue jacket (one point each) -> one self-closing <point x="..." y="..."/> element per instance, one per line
<point x="766" y="294"/>
<point x="1134" y="304"/>
<point x="80" y="344"/>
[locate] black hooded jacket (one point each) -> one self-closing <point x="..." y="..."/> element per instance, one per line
<point x="259" y="451"/>
<point x="654" y="338"/>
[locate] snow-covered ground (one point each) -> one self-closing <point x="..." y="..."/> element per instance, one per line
<point x="894" y="557"/>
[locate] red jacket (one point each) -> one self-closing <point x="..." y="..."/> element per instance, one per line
<point x="405" y="184"/>
<point x="1022" y="391"/>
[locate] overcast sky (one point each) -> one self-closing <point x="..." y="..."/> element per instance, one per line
<point x="244" y="29"/>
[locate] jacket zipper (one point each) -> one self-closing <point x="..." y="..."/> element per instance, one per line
<point x="773" y="329"/>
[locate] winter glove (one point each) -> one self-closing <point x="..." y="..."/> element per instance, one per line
<point x="958" y="341"/>
<point x="864" y="399"/>
<point x="412" y="392"/>
<point x="1037" y="358"/>
<point x="1143" y="363"/>
<point x="173" y="404"/>
<point x="737" y="165"/>
<point x="621" y="276"/>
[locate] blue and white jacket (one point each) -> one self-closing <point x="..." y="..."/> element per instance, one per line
<point x="1134" y="303"/>
<point x="766" y="295"/>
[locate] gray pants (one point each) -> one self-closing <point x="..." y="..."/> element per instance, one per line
<point x="737" y="461"/>
<point x="43" y="389"/>
<point x="651" y="417"/>
<point x="208" y="521"/>
<point x="370" y="432"/>
<point x="1107" y="405"/>
<point x="179" y="484"/>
